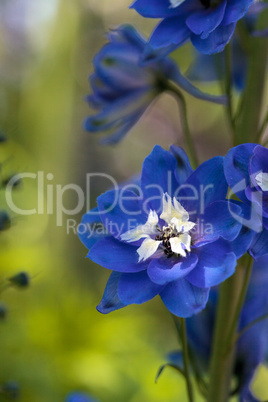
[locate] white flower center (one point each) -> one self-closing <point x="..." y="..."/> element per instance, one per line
<point x="173" y="238"/>
<point x="262" y="181"/>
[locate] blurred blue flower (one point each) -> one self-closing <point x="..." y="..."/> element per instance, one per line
<point x="123" y="87"/>
<point x="212" y="67"/>
<point x="208" y="24"/>
<point x="246" y="171"/>
<point x="172" y="238"/>
<point x="251" y="349"/>
<point x="209" y="68"/>
<point x="79" y="397"/>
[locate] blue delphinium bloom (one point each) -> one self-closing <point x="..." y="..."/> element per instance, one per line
<point x="79" y="397"/>
<point x="246" y="171"/>
<point x="173" y="237"/>
<point x="251" y="348"/>
<point x="209" y="68"/>
<point x="123" y="87"/>
<point x="212" y="67"/>
<point x="209" y="24"/>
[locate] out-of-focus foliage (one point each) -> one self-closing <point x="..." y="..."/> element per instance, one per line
<point x="52" y="340"/>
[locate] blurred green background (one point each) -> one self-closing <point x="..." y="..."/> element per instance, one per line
<point x="53" y="341"/>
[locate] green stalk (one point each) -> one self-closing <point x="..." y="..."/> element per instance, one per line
<point x="232" y="292"/>
<point x="228" y="88"/>
<point x="186" y="360"/>
<point x="247" y="124"/>
<point x="185" y="125"/>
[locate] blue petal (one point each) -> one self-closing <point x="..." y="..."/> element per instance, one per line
<point x="89" y="230"/>
<point x="158" y="8"/>
<point x="259" y="246"/>
<point x="215" y="264"/>
<point x="243" y="242"/>
<point x="123" y="129"/>
<point x="204" y="186"/>
<point x="165" y="270"/>
<point x="205" y="21"/>
<point x="235" y="10"/>
<point x="123" y="107"/>
<point x="137" y="288"/>
<point x="236" y="165"/>
<point x="219" y="220"/>
<point x="117" y="66"/>
<point x="183" y="299"/>
<point x="259" y="163"/>
<point x="215" y="42"/>
<point x="120" y="211"/>
<point x="158" y="177"/>
<point x="170" y="31"/>
<point x="184" y="168"/>
<point x="127" y="34"/>
<point x="112" y="254"/>
<point x="110" y="300"/>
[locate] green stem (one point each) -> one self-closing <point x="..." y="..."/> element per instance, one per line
<point x="222" y="360"/>
<point x="240" y="303"/>
<point x="186" y="360"/>
<point x="247" y="124"/>
<point x="228" y="88"/>
<point x="185" y="125"/>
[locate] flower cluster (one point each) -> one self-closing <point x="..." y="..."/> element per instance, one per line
<point x="209" y="24"/>
<point x="180" y="232"/>
<point x="180" y="241"/>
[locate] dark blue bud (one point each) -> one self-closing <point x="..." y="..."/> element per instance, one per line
<point x="10" y="390"/>
<point x="21" y="280"/>
<point x="16" y="181"/>
<point x="3" y="311"/>
<point x="3" y="137"/>
<point x="4" y="221"/>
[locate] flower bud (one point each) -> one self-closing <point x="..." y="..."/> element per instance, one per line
<point x="10" y="390"/>
<point x="20" y="280"/>
<point x="3" y="311"/>
<point x="4" y="221"/>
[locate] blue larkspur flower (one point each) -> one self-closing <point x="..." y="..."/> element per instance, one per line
<point x="79" y="397"/>
<point x="251" y="348"/>
<point x="123" y="87"/>
<point x="209" y="24"/>
<point x="173" y="237"/>
<point x="208" y="68"/>
<point x="246" y="171"/>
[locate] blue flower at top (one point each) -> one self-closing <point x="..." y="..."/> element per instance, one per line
<point x="212" y="67"/>
<point x="209" y="68"/>
<point x="252" y="348"/>
<point x="123" y="88"/>
<point x="209" y="24"/>
<point x="173" y="237"/>
<point x="246" y="171"/>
